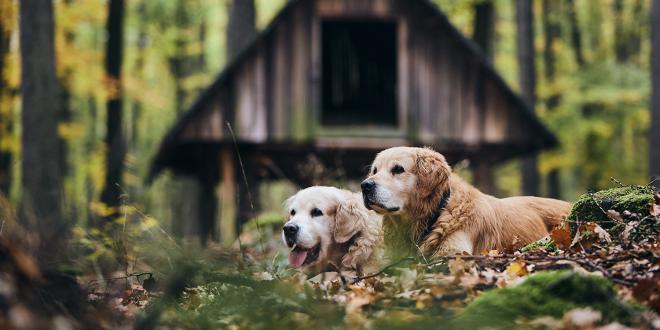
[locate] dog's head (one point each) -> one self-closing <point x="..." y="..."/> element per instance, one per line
<point x="401" y="177"/>
<point x="321" y="221"/>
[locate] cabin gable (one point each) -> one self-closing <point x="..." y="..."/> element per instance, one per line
<point x="362" y="74"/>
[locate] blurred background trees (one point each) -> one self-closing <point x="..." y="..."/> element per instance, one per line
<point x="41" y="95"/>
<point x="654" y="143"/>
<point x="589" y="60"/>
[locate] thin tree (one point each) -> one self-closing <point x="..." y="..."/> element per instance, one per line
<point x="576" y="34"/>
<point x="241" y="27"/>
<point x="654" y="142"/>
<point x="114" y="163"/>
<point x="484" y="27"/>
<point x="527" y="77"/>
<point x="41" y="178"/>
<point x="484" y="36"/>
<point x="6" y="99"/>
<point x="551" y="33"/>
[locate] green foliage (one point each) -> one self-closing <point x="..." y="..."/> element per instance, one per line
<point x="248" y="303"/>
<point x="593" y="207"/>
<point x="550" y="293"/>
<point x="545" y="243"/>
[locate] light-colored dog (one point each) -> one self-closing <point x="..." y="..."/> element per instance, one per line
<point x="440" y="214"/>
<point x="330" y="229"/>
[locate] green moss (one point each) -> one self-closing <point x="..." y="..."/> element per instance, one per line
<point x="550" y="293"/>
<point x="545" y="243"/>
<point x="590" y="207"/>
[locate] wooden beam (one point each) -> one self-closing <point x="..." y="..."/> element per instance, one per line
<point x="484" y="178"/>
<point x="227" y="196"/>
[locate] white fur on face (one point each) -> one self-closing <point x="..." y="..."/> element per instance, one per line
<point x="314" y="230"/>
<point x="392" y="190"/>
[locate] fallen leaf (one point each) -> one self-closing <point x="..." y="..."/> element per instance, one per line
<point x="561" y="237"/>
<point x="517" y="268"/>
<point x="644" y="289"/>
<point x="424" y="300"/>
<point x="493" y="253"/>
<point x="654" y="209"/>
<point x="603" y="235"/>
<point x="589" y="234"/>
<point x="457" y="267"/>
<point x="627" y="230"/>
<point x="614" y="215"/>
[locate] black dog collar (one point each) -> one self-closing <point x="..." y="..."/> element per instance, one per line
<point x="430" y="221"/>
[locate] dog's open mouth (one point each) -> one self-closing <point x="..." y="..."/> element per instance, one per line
<point x="299" y="256"/>
<point x="379" y="208"/>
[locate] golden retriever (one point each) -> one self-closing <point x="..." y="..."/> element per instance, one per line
<point x="440" y="214"/>
<point x="330" y="229"/>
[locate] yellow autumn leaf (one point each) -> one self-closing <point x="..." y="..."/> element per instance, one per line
<point x="517" y="268"/>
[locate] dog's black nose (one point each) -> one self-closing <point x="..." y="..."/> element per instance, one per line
<point x="290" y="231"/>
<point x="368" y="186"/>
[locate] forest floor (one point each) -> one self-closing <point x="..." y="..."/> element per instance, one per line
<point x="582" y="277"/>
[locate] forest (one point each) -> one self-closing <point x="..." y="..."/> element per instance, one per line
<point x="116" y="211"/>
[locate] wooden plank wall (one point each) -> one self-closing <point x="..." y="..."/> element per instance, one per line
<point x="444" y="94"/>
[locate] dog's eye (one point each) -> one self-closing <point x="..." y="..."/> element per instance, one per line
<point x="375" y="170"/>
<point x="316" y="212"/>
<point x="293" y="212"/>
<point x="397" y="169"/>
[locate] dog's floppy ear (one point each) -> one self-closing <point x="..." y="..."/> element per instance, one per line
<point x="432" y="172"/>
<point x="350" y="218"/>
<point x="287" y="204"/>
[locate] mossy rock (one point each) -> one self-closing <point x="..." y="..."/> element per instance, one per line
<point x="589" y="207"/>
<point x="545" y="243"/>
<point x="549" y="293"/>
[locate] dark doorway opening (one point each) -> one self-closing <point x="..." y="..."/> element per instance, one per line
<point x="359" y="73"/>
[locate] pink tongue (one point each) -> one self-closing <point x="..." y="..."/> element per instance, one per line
<point x="297" y="258"/>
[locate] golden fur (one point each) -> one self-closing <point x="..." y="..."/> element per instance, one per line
<point x="471" y="222"/>
<point x="349" y="234"/>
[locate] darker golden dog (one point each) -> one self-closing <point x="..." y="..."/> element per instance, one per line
<point x="440" y="214"/>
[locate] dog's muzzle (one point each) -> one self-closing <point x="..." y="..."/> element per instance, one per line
<point x="370" y="200"/>
<point x="368" y="191"/>
<point x="290" y="234"/>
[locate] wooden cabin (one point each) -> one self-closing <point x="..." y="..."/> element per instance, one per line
<point x="342" y="80"/>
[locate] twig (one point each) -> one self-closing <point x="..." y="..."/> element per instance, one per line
<point x="247" y="188"/>
<point x="601" y="208"/>
<point x="360" y="278"/>
<point x="136" y="275"/>
<point x="621" y="185"/>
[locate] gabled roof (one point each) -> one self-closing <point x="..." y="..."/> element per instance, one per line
<point x="548" y="138"/>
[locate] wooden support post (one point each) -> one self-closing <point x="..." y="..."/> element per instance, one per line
<point x="484" y="177"/>
<point x="227" y="196"/>
<point x="208" y="211"/>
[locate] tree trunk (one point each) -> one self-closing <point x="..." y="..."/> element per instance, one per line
<point x="138" y="70"/>
<point x="654" y="142"/>
<point x="576" y="34"/>
<point x="484" y="27"/>
<point x="527" y="76"/>
<point x="6" y="105"/>
<point x="241" y="26"/>
<point x="114" y="139"/>
<point x="551" y="32"/>
<point x="41" y="206"/>
<point x="627" y="30"/>
<point x="484" y="36"/>
<point x="619" y="32"/>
